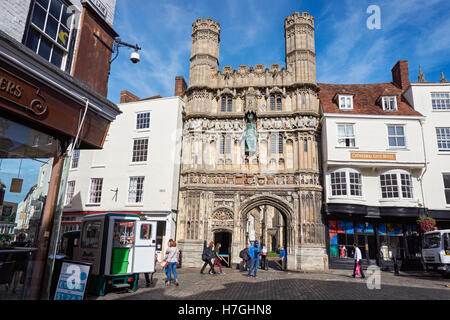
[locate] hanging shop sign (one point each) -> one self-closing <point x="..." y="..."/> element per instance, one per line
<point x="372" y="156"/>
<point x="22" y="93"/>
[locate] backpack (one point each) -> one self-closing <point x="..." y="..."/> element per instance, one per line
<point x="206" y="255"/>
<point x="242" y="254"/>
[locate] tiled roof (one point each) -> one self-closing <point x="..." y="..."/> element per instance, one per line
<point x="365" y="98"/>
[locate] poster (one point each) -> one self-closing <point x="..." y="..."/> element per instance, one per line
<point x="72" y="281"/>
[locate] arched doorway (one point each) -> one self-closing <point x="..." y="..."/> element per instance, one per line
<point x="268" y="219"/>
<point x="224" y="237"/>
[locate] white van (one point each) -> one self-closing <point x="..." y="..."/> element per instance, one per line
<point x="436" y="251"/>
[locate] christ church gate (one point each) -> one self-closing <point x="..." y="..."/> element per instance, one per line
<point x="250" y="157"/>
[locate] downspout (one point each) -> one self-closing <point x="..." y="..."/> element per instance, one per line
<point x="425" y="168"/>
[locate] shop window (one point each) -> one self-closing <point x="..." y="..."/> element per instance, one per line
<point x="49" y="32"/>
<point x="341" y="235"/>
<point x="446" y="177"/>
<point x="391" y="241"/>
<point x="91" y="235"/>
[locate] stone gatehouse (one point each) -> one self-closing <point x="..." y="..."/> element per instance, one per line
<point x="251" y="147"/>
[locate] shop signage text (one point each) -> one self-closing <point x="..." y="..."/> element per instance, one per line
<point x="21" y="92"/>
<point x="372" y="156"/>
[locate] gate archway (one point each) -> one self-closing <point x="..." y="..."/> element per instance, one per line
<point x="283" y="208"/>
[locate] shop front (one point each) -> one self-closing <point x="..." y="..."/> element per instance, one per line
<point x="380" y="239"/>
<point x="43" y="111"/>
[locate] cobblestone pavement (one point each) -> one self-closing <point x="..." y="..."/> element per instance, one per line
<point x="277" y="285"/>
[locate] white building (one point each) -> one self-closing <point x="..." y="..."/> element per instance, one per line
<point x="373" y="158"/>
<point x="433" y="101"/>
<point x="136" y="172"/>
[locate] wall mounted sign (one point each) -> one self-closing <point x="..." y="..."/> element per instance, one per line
<point x="100" y="7"/>
<point x="22" y="93"/>
<point x="372" y="156"/>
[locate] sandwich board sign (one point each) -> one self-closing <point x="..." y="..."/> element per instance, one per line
<point x="72" y="281"/>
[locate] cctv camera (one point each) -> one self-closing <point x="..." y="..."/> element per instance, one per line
<point x="135" y="57"/>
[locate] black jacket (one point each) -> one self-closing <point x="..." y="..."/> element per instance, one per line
<point x="207" y="253"/>
<point x="244" y="254"/>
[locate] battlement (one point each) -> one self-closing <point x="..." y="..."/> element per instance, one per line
<point x="258" y="68"/>
<point x="296" y="17"/>
<point x="206" y="24"/>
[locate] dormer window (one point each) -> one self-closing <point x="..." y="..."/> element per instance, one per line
<point x="389" y="103"/>
<point x="345" y="102"/>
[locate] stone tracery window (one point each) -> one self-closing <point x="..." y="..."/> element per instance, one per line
<point x="276" y="143"/>
<point x="275" y="102"/>
<point x="227" y="103"/>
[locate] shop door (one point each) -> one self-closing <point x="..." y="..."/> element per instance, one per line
<point x="372" y="243"/>
<point x="144" y="247"/>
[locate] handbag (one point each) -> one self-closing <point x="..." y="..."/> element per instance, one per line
<point x="357" y="269"/>
<point x="165" y="263"/>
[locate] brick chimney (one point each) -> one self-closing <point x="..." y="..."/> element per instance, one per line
<point x="400" y="74"/>
<point x="180" y="86"/>
<point x="126" y="96"/>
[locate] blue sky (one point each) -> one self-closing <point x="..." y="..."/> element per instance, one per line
<point x="252" y="32"/>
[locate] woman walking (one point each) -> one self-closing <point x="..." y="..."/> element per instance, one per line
<point x="172" y="257"/>
<point x="217" y="259"/>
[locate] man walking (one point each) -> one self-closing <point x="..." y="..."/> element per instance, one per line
<point x="207" y="256"/>
<point x="245" y="258"/>
<point x="357" y="256"/>
<point x="283" y="258"/>
<point x="254" y="252"/>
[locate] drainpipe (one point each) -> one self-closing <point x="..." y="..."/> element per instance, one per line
<point x="423" y="170"/>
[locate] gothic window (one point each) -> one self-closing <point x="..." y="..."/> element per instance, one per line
<point x="276" y="143"/>
<point x="225" y="144"/>
<point x="227" y="103"/>
<point x="275" y="102"/>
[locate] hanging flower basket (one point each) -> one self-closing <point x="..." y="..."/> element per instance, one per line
<point x="427" y="224"/>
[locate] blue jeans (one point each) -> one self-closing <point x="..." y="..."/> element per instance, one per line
<point x="172" y="267"/>
<point x="254" y="264"/>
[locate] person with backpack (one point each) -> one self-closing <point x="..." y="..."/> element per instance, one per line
<point x="207" y="255"/>
<point x="244" y="265"/>
<point x="254" y="252"/>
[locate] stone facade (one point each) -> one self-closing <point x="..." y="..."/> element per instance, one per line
<point x="221" y="181"/>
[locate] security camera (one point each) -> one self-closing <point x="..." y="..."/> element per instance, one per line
<point x="135" y="57"/>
